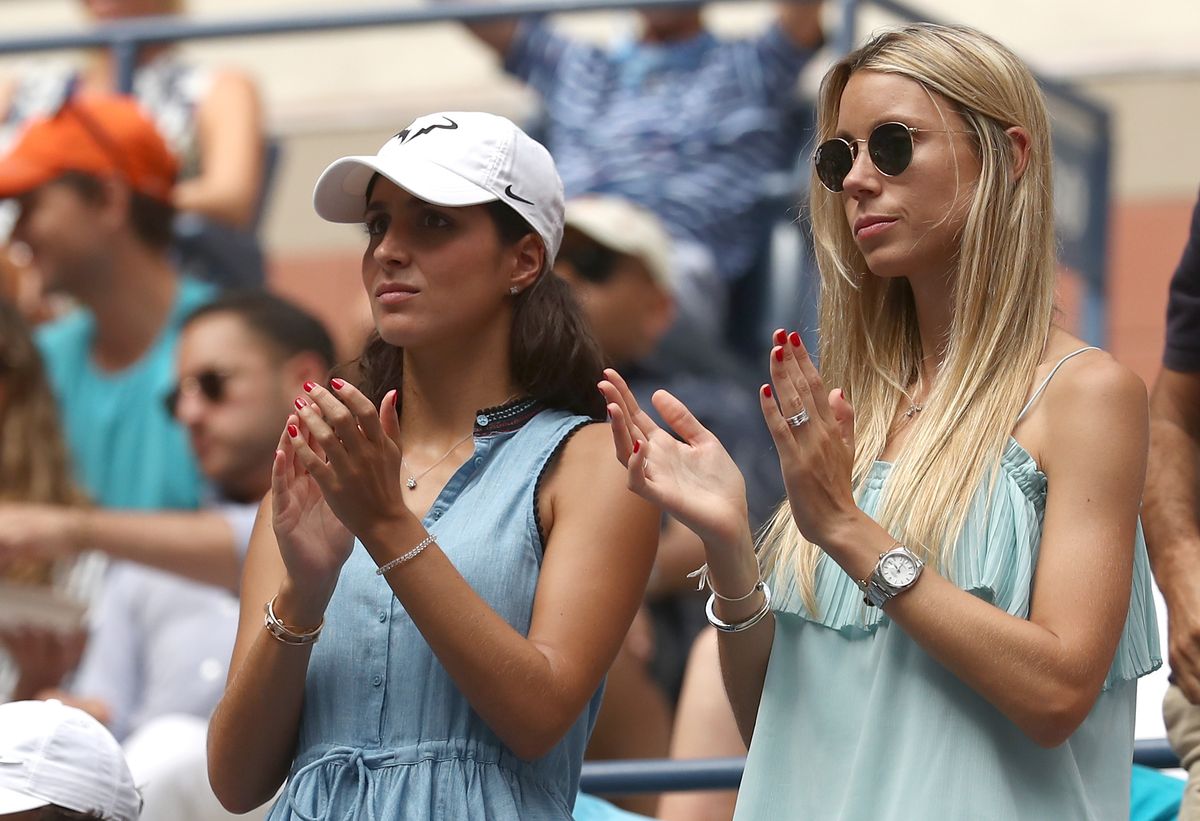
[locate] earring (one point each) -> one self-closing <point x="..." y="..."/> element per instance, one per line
<point x="514" y="290"/>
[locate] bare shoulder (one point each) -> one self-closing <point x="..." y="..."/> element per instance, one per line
<point x="587" y="456"/>
<point x="587" y="479"/>
<point x="1092" y="400"/>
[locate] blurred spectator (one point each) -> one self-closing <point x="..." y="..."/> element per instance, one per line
<point x="616" y="256"/>
<point x="679" y="122"/>
<point x="93" y="184"/>
<point x="159" y="648"/>
<point x="58" y="764"/>
<point x="210" y="118"/>
<point x="1171" y="505"/>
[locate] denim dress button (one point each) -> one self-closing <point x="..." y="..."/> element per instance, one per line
<point x="377" y="679"/>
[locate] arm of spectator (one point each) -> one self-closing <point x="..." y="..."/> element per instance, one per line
<point x="199" y="545"/>
<point x="801" y="24"/>
<point x="680" y="551"/>
<point x="229" y="122"/>
<point x="42" y="657"/>
<point x="1169" y="517"/>
<point x="498" y="35"/>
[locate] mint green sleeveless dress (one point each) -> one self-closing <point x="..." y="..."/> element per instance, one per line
<point x="858" y="723"/>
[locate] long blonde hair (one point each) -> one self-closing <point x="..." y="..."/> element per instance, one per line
<point x="1003" y="301"/>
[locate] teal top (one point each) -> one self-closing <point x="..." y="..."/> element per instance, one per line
<point x="385" y="734"/>
<point x="126" y="450"/>
<point x="858" y="722"/>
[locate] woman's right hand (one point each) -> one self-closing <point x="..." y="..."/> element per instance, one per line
<point x="694" y="480"/>
<point x="313" y="542"/>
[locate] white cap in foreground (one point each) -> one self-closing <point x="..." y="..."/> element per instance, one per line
<point x="54" y="754"/>
<point x="454" y="159"/>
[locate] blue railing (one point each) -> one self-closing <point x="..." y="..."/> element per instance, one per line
<point x="628" y="777"/>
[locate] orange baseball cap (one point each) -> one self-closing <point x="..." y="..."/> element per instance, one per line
<point x="102" y="135"/>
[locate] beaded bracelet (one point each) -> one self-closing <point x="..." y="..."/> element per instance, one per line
<point x="739" y="626"/>
<point x="412" y="554"/>
<point x="281" y="632"/>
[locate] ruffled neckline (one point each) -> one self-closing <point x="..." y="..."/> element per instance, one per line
<point x="994" y="559"/>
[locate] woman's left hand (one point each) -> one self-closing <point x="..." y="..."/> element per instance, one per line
<point x="816" y="456"/>
<point x="359" y="475"/>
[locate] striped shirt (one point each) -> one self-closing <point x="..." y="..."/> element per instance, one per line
<point x="690" y="130"/>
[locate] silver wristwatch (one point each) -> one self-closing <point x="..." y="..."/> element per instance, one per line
<point x="897" y="570"/>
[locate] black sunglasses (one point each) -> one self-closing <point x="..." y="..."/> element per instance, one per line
<point x="890" y="148"/>
<point x="211" y="385"/>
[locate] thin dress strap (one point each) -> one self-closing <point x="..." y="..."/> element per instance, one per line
<point x="1050" y="376"/>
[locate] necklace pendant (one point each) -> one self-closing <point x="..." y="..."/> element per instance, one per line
<point x="411" y="484"/>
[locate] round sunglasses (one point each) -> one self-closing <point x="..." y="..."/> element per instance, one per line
<point x="890" y="147"/>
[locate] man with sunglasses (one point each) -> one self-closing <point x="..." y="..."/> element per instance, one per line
<point x="160" y="642"/>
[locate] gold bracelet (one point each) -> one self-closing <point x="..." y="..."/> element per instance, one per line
<point x="282" y="633"/>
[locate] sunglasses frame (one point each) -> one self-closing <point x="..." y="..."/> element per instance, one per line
<point x="209" y="383"/>
<point x="852" y="147"/>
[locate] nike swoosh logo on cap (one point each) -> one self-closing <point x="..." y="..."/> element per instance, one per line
<point x="508" y="192"/>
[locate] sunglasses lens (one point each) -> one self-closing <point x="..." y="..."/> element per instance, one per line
<point x="212" y="385"/>
<point x="833" y="161"/>
<point x="891" y="147"/>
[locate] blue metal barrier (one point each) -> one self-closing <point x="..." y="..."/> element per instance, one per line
<point x="667" y="775"/>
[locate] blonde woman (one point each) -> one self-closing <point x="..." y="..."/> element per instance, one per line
<point x="967" y="467"/>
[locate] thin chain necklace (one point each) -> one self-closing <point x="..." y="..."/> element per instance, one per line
<point x="411" y="481"/>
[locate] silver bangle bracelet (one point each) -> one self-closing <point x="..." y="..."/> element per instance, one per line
<point x="401" y="559"/>
<point x="739" y="626"/>
<point x="281" y="632"/>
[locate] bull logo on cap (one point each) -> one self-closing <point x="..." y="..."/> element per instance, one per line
<point x="407" y="135"/>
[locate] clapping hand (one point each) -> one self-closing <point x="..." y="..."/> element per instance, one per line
<point x="693" y="478"/>
<point x="814" y="436"/>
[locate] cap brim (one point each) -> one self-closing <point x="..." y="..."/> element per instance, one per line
<point x="13" y="802"/>
<point x="340" y="193"/>
<point x="18" y="177"/>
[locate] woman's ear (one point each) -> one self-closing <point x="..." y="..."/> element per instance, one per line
<point x="530" y="256"/>
<point x="1019" y="138"/>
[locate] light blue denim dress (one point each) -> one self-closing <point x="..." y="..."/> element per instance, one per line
<point x="385" y="734"/>
<point x="858" y="723"/>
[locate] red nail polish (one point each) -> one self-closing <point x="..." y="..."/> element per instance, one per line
<point x="780" y="336"/>
<point x="636" y="446"/>
<point x="300" y="402"/>
<point x="337" y="384"/>
<point x="767" y="391"/>
<point x="779" y="354"/>
<point x="293" y="431"/>
<point x="794" y="338"/>
<point x="308" y="386"/>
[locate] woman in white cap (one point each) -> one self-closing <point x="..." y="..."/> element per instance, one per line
<point x="451" y="526"/>
<point x="952" y="606"/>
<point x="57" y="763"/>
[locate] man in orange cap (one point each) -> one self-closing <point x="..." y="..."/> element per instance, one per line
<point x="93" y="183"/>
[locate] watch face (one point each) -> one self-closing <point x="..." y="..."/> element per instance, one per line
<point x="898" y="570"/>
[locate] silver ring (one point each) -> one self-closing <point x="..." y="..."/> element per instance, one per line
<point x="797" y="420"/>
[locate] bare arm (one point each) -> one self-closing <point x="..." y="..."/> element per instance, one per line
<point x="1169" y="516"/>
<point x="229" y="122"/>
<point x="198" y="545"/>
<point x="530" y="689"/>
<point x="801" y="22"/>
<point x="496" y="34"/>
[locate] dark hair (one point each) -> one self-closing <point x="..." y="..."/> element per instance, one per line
<point x="555" y="359"/>
<point x="286" y="327"/>
<point x="153" y="220"/>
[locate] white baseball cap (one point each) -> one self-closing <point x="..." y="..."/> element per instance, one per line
<point x="54" y="754"/>
<point x="624" y="227"/>
<point x="455" y="159"/>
